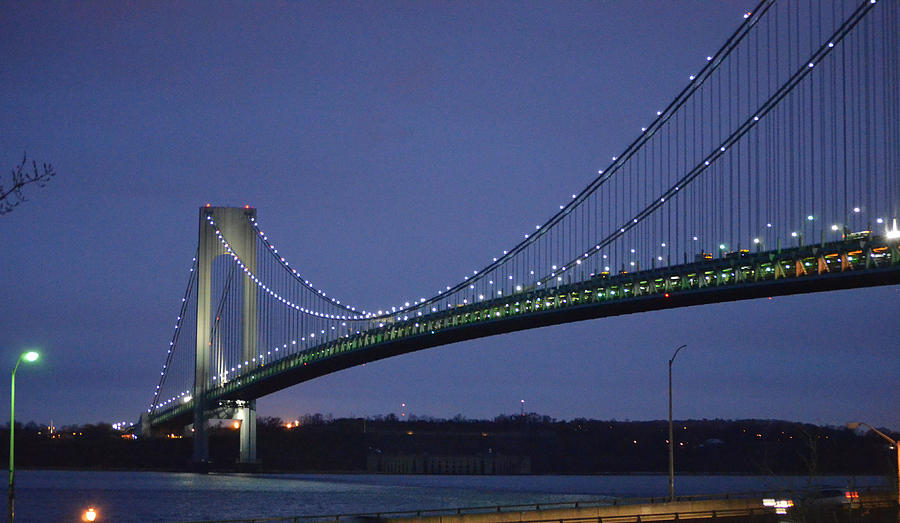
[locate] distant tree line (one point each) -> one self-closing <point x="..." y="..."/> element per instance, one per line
<point x="317" y="443"/>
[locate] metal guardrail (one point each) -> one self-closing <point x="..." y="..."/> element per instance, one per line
<point x="667" y="516"/>
<point x="536" y="507"/>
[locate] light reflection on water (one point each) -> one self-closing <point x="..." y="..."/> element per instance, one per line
<point x="43" y="496"/>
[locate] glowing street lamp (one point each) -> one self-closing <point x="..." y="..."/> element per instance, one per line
<point x="30" y="356"/>
<point x="895" y="444"/>
<point x="89" y="515"/>
<point x="892" y="233"/>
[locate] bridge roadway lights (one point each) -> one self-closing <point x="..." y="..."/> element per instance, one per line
<point x="842" y="272"/>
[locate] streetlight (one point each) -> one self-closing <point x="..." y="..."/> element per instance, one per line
<point x="29" y="356"/>
<point x="896" y="444"/>
<point x="671" y="440"/>
<point x="89" y="515"/>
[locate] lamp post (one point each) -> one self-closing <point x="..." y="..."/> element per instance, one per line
<point x="896" y="445"/>
<point x="671" y="441"/>
<point x="29" y="356"/>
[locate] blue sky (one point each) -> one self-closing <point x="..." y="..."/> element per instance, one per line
<point x="388" y="147"/>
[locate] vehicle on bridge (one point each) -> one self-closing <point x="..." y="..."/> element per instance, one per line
<point x="740" y="253"/>
<point x="859" y="235"/>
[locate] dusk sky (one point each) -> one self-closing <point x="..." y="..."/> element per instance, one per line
<point x="390" y="148"/>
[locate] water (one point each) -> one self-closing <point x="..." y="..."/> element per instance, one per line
<point x="50" y="496"/>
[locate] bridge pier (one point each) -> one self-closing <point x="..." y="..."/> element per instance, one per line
<point x="231" y="223"/>
<point x="247" y="417"/>
<point x="201" y="439"/>
<point x="145" y="427"/>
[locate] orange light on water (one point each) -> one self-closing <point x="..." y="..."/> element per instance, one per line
<point x="89" y="515"/>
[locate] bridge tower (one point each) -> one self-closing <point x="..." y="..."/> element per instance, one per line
<point x="233" y="224"/>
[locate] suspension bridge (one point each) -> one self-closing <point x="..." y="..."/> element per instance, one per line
<point x="773" y="171"/>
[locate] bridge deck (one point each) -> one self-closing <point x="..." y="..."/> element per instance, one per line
<point x="823" y="267"/>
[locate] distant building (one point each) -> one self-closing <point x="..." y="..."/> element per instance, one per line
<point x="478" y="464"/>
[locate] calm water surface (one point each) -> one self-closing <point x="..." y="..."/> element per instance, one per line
<point x="51" y="496"/>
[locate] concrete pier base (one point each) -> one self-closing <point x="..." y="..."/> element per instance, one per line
<point x="247" y="417"/>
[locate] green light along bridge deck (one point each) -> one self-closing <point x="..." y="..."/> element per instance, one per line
<point x="867" y="261"/>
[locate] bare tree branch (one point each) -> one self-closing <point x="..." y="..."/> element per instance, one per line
<point x="12" y="195"/>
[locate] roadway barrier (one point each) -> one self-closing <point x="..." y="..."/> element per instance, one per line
<point x="872" y="506"/>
